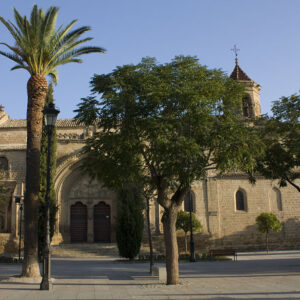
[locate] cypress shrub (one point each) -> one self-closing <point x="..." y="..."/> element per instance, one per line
<point x="43" y="180"/>
<point x="130" y="221"/>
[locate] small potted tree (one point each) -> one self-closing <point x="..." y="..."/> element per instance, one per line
<point x="265" y="223"/>
<point x="183" y="223"/>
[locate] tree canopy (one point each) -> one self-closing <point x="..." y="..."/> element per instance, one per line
<point x="281" y="135"/>
<point x="174" y="121"/>
<point x="267" y="222"/>
<point x="40" y="47"/>
<point x="183" y="222"/>
<point x="166" y="125"/>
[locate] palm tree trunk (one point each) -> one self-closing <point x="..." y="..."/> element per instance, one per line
<point x="169" y="223"/>
<point x="36" y="89"/>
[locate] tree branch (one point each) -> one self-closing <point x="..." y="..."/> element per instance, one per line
<point x="292" y="183"/>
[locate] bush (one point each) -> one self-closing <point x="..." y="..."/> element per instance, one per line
<point x="130" y="222"/>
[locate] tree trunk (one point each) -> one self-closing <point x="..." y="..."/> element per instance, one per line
<point x="267" y="241"/>
<point x="149" y="235"/>
<point x="185" y="241"/>
<point x="36" y="89"/>
<point x="169" y="223"/>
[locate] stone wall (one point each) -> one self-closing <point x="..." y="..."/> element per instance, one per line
<point x="8" y="244"/>
<point x="215" y="198"/>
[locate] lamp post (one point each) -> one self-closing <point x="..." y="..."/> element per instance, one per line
<point x="192" y="244"/>
<point x="18" y="201"/>
<point x="50" y="116"/>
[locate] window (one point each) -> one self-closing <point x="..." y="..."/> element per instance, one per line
<point x="3" y="163"/>
<point x="240" y="200"/>
<point x="189" y="202"/>
<point x="276" y="203"/>
<point x="247" y="107"/>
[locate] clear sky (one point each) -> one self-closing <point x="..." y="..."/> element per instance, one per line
<point x="267" y="32"/>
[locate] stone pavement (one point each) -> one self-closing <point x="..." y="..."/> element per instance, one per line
<point x="253" y="276"/>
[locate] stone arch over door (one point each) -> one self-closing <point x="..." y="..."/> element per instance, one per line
<point x="102" y="217"/>
<point x="73" y="186"/>
<point x="78" y="224"/>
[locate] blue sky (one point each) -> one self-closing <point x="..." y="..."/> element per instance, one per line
<point x="265" y="31"/>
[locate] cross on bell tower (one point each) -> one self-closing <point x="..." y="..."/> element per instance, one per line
<point x="250" y="105"/>
<point x="235" y="50"/>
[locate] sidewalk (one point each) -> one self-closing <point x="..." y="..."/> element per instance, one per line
<point x="253" y="276"/>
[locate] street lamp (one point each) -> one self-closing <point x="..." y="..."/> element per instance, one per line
<point x="192" y="244"/>
<point x="50" y="116"/>
<point x="18" y="201"/>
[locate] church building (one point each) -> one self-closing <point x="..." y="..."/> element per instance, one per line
<point x="226" y="205"/>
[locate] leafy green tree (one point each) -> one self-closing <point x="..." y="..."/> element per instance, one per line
<point x="130" y="221"/>
<point x="281" y="135"/>
<point x="39" y="49"/>
<point x="184" y="223"/>
<point x="265" y="223"/>
<point x="166" y="125"/>
<point x="43" y="179"/>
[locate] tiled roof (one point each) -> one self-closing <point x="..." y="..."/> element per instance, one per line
<point x="13" y="124"/>
<point x="67" y="123"/>
<point x="12" y="147"/>
<point x="22" y="123"/>
<point x="239" y="74"/>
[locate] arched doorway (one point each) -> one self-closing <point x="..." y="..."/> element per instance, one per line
<point x="78" y="223"/>
<point x="102" y="223"/>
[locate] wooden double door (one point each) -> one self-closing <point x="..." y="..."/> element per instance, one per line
<point x="78" y="223"/>
<point x="101" y="223"/>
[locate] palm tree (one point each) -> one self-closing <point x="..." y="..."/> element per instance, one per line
<point x="39" y="48"/>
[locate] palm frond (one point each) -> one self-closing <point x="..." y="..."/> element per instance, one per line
<point x="87" y="50"/>
<point x="49" y="23"/>
<point x="10" y="28"/>
<point x="40" y="48"/>
<point x="13" y="49"/>
<point x="16" y="67"/>
<point x="53" y="75"/>
<point x="67" y="48"/>
<point x="19" y="20"/>
<point x="12" y="57"/>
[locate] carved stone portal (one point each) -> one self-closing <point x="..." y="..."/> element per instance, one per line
<point x="79" y="188"/>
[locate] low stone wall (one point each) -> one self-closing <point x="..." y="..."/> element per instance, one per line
<point x="240" y="242"/>
<point x="8" y="244"/>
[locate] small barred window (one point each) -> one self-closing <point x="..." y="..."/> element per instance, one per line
<point x="240" y="200"/>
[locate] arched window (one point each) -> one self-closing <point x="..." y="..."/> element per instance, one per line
<point x="1" y="223"/>
<point x="3" y="163"/>
<point x="247" y="109"/>
<point x="240" y="200"/>
<point x="276" y="203"/>
<point x="189" y="202"/>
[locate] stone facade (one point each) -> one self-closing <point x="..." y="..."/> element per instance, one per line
<point x="226" y="205"/>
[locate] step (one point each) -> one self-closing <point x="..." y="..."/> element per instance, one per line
<point x="85" y="250"/>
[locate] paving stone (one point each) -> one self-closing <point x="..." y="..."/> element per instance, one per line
<point x="253" y="276"/>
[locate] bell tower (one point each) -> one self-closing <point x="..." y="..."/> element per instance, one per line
<point x="251" y="102"/>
